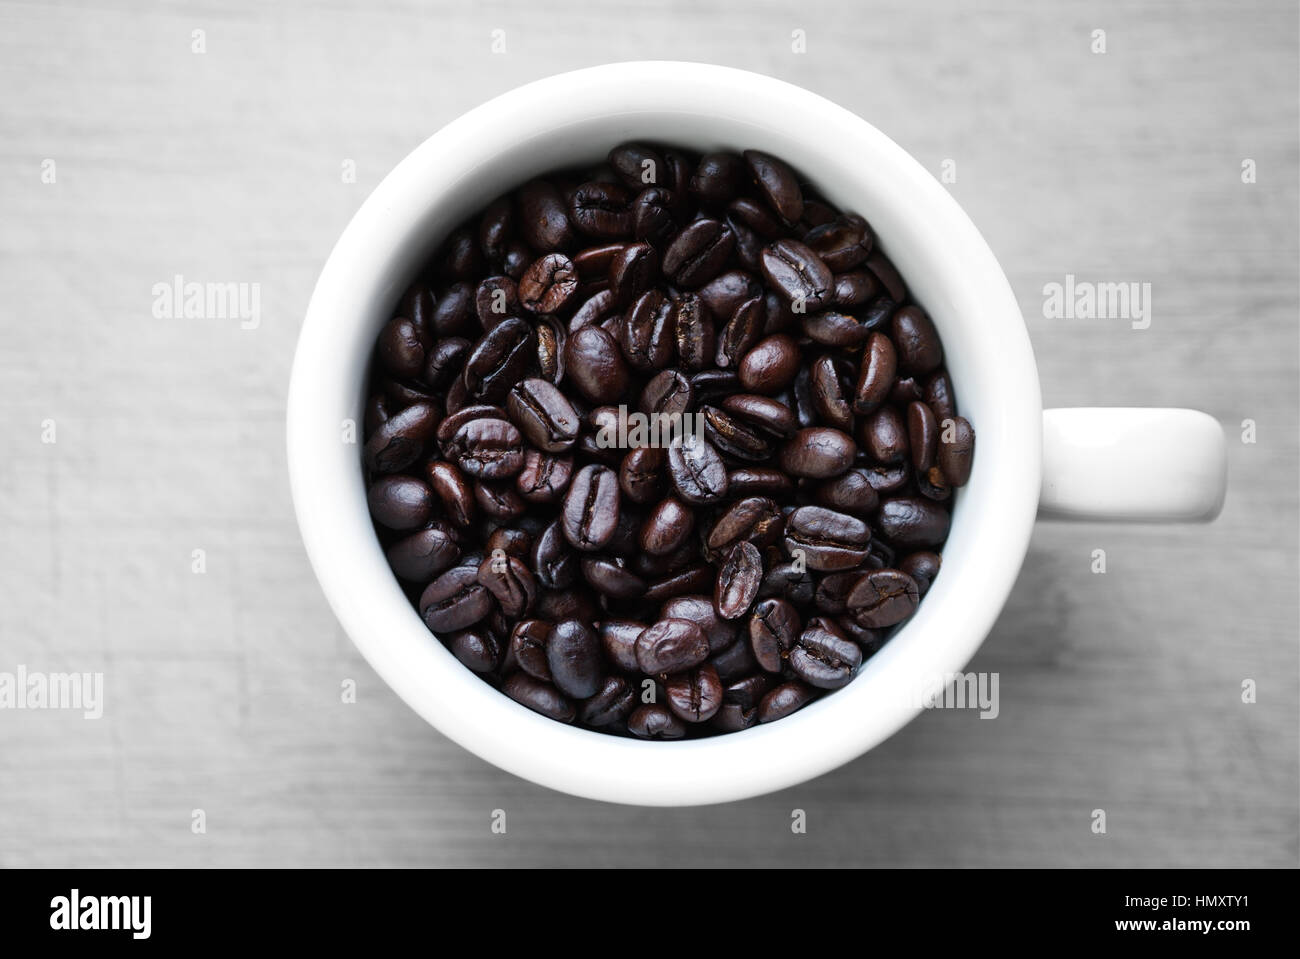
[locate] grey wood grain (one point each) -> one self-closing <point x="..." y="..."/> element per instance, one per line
<point x="1119" y="691"/>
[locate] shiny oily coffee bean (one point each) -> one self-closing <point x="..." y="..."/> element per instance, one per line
<point x="832" y="595"/>
<point x="778" y="185"/>
<point x="548" y="284"/>
<point x="641" y="474"/>
<point x="455" y="600"/>
<point x="784" y="700"/>
<point x="875" y="373"/>
<point x="695" y="695"/>
<point x="636" y="164"/>
<point x="763" y="412"/>
<point x="773" y="628"/>
<point x="697" y="471"/>
<point x="732" y="437"/>
<point x="717" y="179"/>
<point x="591" y="508"/>
<point x="739" y="577"/>
<point x="452" y="423"/>
<point x="691" y="579"/>
<point x="884" y="436"/>
<point x="827" y="394"/>
<point x="647" y="332"/>
<point x="539" y="696"/>
<point x="818" y="452"/>
<point x="854" y="289"/>
<point x="609" y="577"/>
<point x="698" y="253"/>
<point x="499" y="502"/>
<point x="884" y="597"/>
<point x="671" y="646"/>
<point x="400" y="350"/>
<point x="632" y="272"/>
<point x="553" y="562"/>
<point x="955" y="455"/>
<point x="759" y="481"/>
<point x="747" y="692"/>
<point x="789" y="581"/>
<point x="509" y="580"/>
<point x="496" y="298"/>
<point x="544" y="476"/>
<point x="923" y="567"/>
<point x="726" y="292"/>
<point x="669" y="393"/>
<point x="885" y="272"/>
<point x="453" y="491"/>
<point x="618" y="639"/>
<point x="831" y="328"/>
<point x="652" y="721"/>
<point x="695" y="333"/>
<point x="938" y="395"/>
<point x="476" y="649"/>
<point x="842" y="243"/>
<point x="741" y="332"/>
<point x="487" y="449"/>
<point x="400" y="440"/>
<point x="445" y="361"/>
<point x="771" y="365"/>
<point x="424" y="554"/>
<point x="922" y="436"/>
<point x="653" y="220"/>
<point x="850" y="492"/>
<point x="613" y="702"/>
<point x="830" y="541"/>
<point x="602" y="210"/>
<point x="573" y="654"/>
<point x="500" y="359"/>
<point x="823" y="656"/>
<point x="798" y="274"/>
<point x="910" y="522"/>
<point x="595" y="365"/>
<point x="714" y="385"/>
<point x="755" y="519"/>
<point x="400" y="502"/>
<point x="544" y="415"/>
<point x="543" y="217"/>
<point x="667" y="528"/>
<point x="733" y="718"/>
<point x="699" y="609"/>
<point x="917" y="341"/>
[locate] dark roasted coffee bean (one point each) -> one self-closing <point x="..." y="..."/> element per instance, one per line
<point x="755" y="519"/>
<point x="610" y="577"/>
<point x="695" y="695"/>
<point x="725" y="293"/>
<point x="828" y="394"/>
<point x="733" y="718"/>
<point x="749" y="692"/>
<point x="668" y="394"/>
<point x="499" y="502"/>
<point x="717" y="179"/>
<point x="548" y="284"/>
<point x="818" y="452"/>
<point x="509" y="580"/>
<point x="956" y="451"/>
<point x="671" y="646"/>
<point x="454" y="314"/>
<point x="767" y="414"/>
<point x="500" y="359"/>
<point x="698" y="253"/>
<point x="400" y="502"/>
<point x="699" y="609"/>
<point x="799" y="275"/>
<point x="855" y="288"/>
<point x="602" y="210"/>
<point x="938" y="395"/>
<point x="488" y="449"/>
<point x="461" y="257"/>
<point x="917" y="341"/>
<point x="789" y="581"/>
<point x="741" y="333"/>
<point x="912" y="523"/>
<point x="759" y="481"/>
<point x="739" y="577"/>
<point x="418" y="304"/>
<point x="595" y="309"/>
<point x="424" y="554"/>
<point x="400" y="440"/>
<point x="544" y="477"/>
<point x="697" y="471"/>
<point x="778" y="184"/>
<point x="512" y="541"/>
<point x="401" y="348"/>
<point x="842" y="243"/>
<point x="637" y="165"/>
<point x="880" y="265"/>
<point x="476" y="649"/>
<point x="734" y="662"/>
<point x="832" y="596"/>
<point x="829" y="540"/>
<point x="784" y="700"/>
<point x="553" y="562"/>
<point x="446" y="360"/>
<point x="773" y="627"/>
<point x="591" y="508"/>
<point x="653" y="221"/>
<point x="496" y="298"/>
<point x="850" y="492"/>
<point x="632" y="272"/>
<point x="576" y="603"/>
<point x="497" y="228"/>
<point x="596" y="365"/>
<point x="922" y="436"/>
<point x="771" y="365"/>
<point x="593" y="262"/>
<point x="695" y="333"/>
<point x="832" y="328"/>
<point x="539" y="696"/>
<point x="668" y="526"/>
<point x="452" y="423"/>
<point x="823" y="656"/>
<point x="875" y="374"/>
<point x="618" y="638"/>
<point x="682" y="582"/>
<point x="574" y="656"/>
<point x="734" y="438"/>
<point x="455" y="600"/>
<point x="647" y="333"/>
<point x="888" y="480"/>
<point x="922" y="567"/>
<point x="883" y="597"/>
<point x="641" y="474"/>
<point x="652" y="721"/>
<point x="613" y="702"/>
<point x="544" y="415"/>
<point x="543" y="218"/>
<point x="884" y="436"/>
<point x="453" y="491"/>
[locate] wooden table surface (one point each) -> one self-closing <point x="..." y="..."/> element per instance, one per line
<point x="1120" y="692"/>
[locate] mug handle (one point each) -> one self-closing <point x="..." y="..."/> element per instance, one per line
<point x="1138" y="465"/>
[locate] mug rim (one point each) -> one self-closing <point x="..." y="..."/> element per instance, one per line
<point x="329" y="500"/>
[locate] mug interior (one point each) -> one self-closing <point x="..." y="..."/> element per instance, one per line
<point x="573" y="120"/>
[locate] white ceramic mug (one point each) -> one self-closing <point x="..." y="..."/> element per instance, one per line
<point x="1082" y="463"/>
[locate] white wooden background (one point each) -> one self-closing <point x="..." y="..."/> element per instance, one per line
<point x="1119" y="691"/>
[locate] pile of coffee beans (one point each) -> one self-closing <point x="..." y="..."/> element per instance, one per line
<point x="663" y="448"/>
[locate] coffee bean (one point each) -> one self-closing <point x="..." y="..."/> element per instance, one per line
<point x="610" y="577"/>
<point x="653" y="721"/>
<point x="632" y="272"/>
<point x="738" y="580"/>
<point x="697" y="471"/>
<point x="829" y="540"/>
<point x="955" y="454"/>
<point x="922" y="435"/>
<point x="773" y="627"/>
<point x="850" y="492"/>
<point x="798" y="274"/>
<point x="544" y="477"/>
<point x="400" y="440"/>
<point x="923" y="567"/>
<point x="454" y="600"/>
<point x="823" y="656"/>
<point x="476" y="649"/>
<point x="574" y="656"/>
<point x="641" y="474"/>
<point x="401" y="347"/>
<point x="596" y="365"/>
<point x="668" y="526"/>
<point x="424" y="554"/>
<point x="694" y="332"/>
<point x="670" y="646"/>
<point x="510" y="582"/>
<point x="400" y="502"/>
<point x="771" y="365"/>
<point x="778" y="184"/>
<point x="818" y="453"/>
<point x="636" y="164"/>
<point x="591" y="508"/>
<point x="543" y="414"/>
<point x="489" y="449"/>
<point x="884" y="436"/>
<point x="699" y="253"/>
<point x="917" y="341"/>
<point x="612" y="703"/>
<point x="842" y="243"/>
<point x="769" y="415"/>
<point x="884" y="597"/>
<point x="912" y="523"/>
<point x="741" y="333"/>
<point x="668" y="394"/>
<point x="784" y="700"/>
<point x="539" y="696"/>
<point x="653" y="220"/>
<point x="618" y="639"/>
<point x="548" y="284"/>
<point x="602" y="210"/>
<point x="647" y="332"/>
<point x="717" y="179"/>
<point x="759" y="481"/>
<point x="695" y="695"/>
